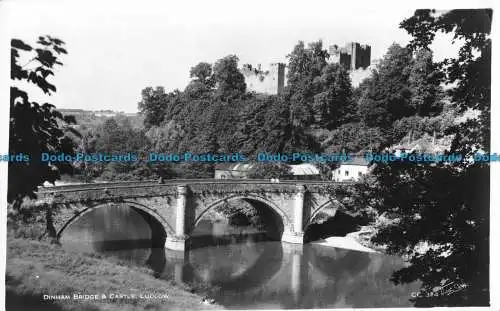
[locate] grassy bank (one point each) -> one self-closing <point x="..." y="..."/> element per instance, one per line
<point x="35" y="269"/>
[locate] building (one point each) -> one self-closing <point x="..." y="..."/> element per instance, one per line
<point x="353" y="56"/>
<point x="303" y="171"/>
<point x="271" y="81"/>
<point x="232" y="170"/>
<point x="424" y="144"/>
<point x="351" y="170"/>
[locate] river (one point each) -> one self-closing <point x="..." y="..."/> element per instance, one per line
<point x="242" y="269"/>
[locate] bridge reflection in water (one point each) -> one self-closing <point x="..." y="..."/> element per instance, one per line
<point x="244" y="269"/>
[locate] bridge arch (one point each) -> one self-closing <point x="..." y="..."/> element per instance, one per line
<point x="134" y="205"/>
<point x="332" y="202"/>
<point x="273" y="207"/>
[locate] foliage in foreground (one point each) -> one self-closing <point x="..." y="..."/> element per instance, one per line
<point x="36" y="128"/>
<point x="441" y="211"/>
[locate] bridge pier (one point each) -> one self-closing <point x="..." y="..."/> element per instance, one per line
<point x="295" y="234"/>
<point x="175" y="244"/>
<point x="178" y="242"/>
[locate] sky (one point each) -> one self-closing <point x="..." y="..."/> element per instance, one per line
<point x="117" y="48"/>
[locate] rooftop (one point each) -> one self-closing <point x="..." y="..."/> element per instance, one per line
<point x="304" y="169"/>
<point x="242" y="167"/>
<point x="358" y="160"/>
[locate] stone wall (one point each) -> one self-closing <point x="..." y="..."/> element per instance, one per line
<point x="270" y="81"/>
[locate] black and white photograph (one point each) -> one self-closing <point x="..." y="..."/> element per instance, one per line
<point x="248" y="155"/>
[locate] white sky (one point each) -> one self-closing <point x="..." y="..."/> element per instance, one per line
<point x="116" y="48"/>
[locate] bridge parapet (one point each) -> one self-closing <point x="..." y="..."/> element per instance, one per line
<point x="94" y="191"/>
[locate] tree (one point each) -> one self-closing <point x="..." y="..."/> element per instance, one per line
<point x="305" y="67"/>
<point x="404" y="85"/>
<point x="115" y="137"/>
<point x="387" y="94"/>
<point x="268" y="170"/>
<point x="333" y="105"/>
<point x="229" y="80"/>
<point x="470" y="71"/>
<point x="354" y="137"/>
<point x="304" y="64"/>
<point x="202" y="83"/>
<point x="201" y="73"/>
<point x="153" y="105"/>
<point x="445" y="205"/>
<point x="271" y="128"/>
<point x="251" y="135"/>
<point x="440" y="223"/>
<point x="424" y="81"/>
<point x="36" y="128"/>
<point x="87" y="145"/>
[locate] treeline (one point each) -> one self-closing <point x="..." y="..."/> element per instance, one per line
<point x="439" y="212"/>
<point x="318" y="111"/>
<point x="215" y="113"/>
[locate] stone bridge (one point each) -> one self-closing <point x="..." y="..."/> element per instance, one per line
<point x="176" y="206"/>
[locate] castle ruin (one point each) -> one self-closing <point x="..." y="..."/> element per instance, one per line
<point x="353" y="56"/>
<point x="271" y="81"/>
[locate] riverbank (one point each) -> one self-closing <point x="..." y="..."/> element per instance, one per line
<point x="359" y="240"/>
<point x="344" y="243"/>
<point x="37" y="270"/>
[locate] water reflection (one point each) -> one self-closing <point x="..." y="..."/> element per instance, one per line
<point x="247" y="270"/>
<point x="304" y="277"/>
<point x="116" y="231"/>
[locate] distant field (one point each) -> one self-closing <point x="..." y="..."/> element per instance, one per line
<point x="88" y="118"/>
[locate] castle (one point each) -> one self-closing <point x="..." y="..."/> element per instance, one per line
<point x="353" y="56"/>
<point x="270" y="81"/>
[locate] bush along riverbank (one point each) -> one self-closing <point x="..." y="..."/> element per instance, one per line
<point x="42" y="276"/>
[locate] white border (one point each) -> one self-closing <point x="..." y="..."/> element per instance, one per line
<point x="342" y="5"/>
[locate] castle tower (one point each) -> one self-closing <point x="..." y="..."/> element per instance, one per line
<point x="352" y="56"/>
<point x="353" y="48"/>
<point x="277" y="71"/>
<point x="365" y="58"/>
